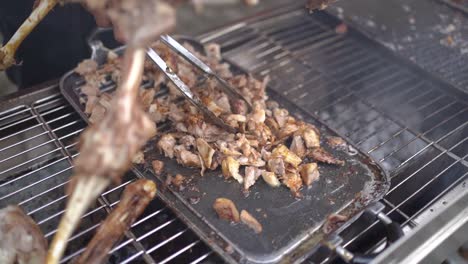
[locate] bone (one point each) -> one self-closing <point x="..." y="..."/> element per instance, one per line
<point x="7" y="52"/>
<point x="133" y="202"/>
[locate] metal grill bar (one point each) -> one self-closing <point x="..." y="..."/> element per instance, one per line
<point x="17" y="123"/>
<point x="51" y="233"/>
<point x="28" y="161"/>
<point x="29" y="173"/>
<point x="42" y="193"/>
<point x="201" y="258"/>
<point x="420" y="135"/>
<point x="182" y="250"/>
<point x="358" y="78"/>
<point x="412" y="195"/>
<point x="424" y="166"/>
<point x="21" y="132"/>
<point x="14" y="112"/>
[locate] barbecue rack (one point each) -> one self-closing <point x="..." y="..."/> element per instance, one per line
<point x="412" y="122"/>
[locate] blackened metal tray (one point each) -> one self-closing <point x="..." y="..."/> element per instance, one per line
<point x="291" y="227"/>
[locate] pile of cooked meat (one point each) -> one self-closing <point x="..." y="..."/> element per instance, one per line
<point x="269" y="143"/>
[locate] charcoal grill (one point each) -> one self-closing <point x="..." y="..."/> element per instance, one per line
<point x="408" y="117"/>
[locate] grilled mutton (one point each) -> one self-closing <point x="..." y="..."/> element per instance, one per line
<point x="133" y="202"/>
<point x="226" y="210"/>
<point x="107" y="147"/>
<point x="21" y="240"/>
<point x="270" y="142"/>
<point x="250" y="221"/>
<point x="321" y="155"/>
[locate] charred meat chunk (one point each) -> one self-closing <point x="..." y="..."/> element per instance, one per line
<point x="21" y="240"/>
<point x="250" y="221"/>
<point x="226" y="210"/>
<point x="309" y="173"/>
<point x="158" y="166"/>
<point x="321" y="155"/>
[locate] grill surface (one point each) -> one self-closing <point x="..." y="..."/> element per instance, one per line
<point x="415" y="126"/>
<point x="432" y="33"/>
<point x="410" y="122"/>
<point x="37" y="144"/>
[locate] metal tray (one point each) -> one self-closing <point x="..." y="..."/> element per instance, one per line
<point x="291" y="227"/>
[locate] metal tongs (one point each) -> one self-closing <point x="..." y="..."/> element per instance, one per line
<point x="185" y="90"/>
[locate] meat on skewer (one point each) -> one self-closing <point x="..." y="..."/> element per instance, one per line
<point x="21" y="240"/>
<point x="107" y="147"/>
<point x="133" y="202"/>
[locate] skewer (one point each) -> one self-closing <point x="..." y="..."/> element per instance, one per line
<point x="107" y="149"/>
<point x="133" y="202"/>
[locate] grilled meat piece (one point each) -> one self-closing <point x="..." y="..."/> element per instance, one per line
<point x="332" y="222"/>
<point x="21" y="240"/>
<point x="188" y="141"/>
<point x="90" y="90"/>
<point x="158" y="166"/>
<point x="213" y="51"/>
<point x="336" y="142"/>
<point x="212" y="106"/>
<point x="276" y="165"/>
<point x="271" y="179"/>
<point x="139" y="158"/>
<point x="250" y="221"/>
<point x="146" y="98"/>
<point x="100" y="109"/>
<point x="226" y="210"/>
<point x="251" y="176"/>
<point x="178" y="181"/>
<point x="206" y="152"/>
<point x="86" y="67"/>
<point x="258" y="114"/>
<point x="281" y="116"/>
<point x="294" y="182"/>
<point x="311" y="136"/>
<point x="230" y="168"/>
<point x="287" y="155"/>
<point x="298" y="146"/>
<point x="272" y="124"/>
<point x="309" y="173"/>
<point x="133" y="202"/>
<point x="321" y="155"/>
<point x="187" y="158"/>
<point x="91" y="103"/>
<point x="166" y="144"/>
<point x="287" y="130"/>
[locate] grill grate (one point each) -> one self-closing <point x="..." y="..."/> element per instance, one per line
<point x="37" y="145"/>
<point x="414" y="126"/>
<point x="430" y="33"/>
